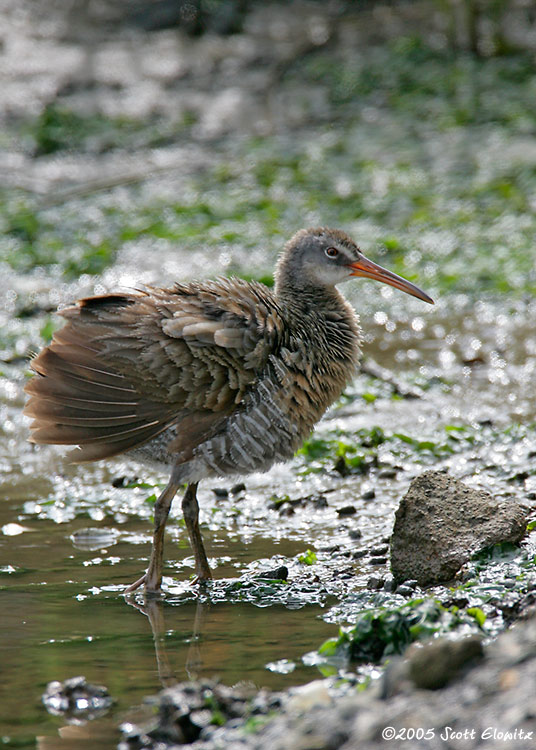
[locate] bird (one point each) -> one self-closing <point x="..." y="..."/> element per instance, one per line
<point x="209" y="378"/>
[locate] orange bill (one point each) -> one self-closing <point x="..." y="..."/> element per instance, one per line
<point x="369" y="270"/>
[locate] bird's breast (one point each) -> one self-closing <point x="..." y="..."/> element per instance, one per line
<point x="299" y="381"/>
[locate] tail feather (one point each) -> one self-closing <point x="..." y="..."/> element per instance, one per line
<point x="88" y="367"/>
<point x="45" y="388"/>
<point x="78" y="398"/>
<point x="48" y="410"/>
<point x="98" y="451"/>
<point x="54" y="393"/>
<point x="66" y="368"/>
<point x="64" y="433"/>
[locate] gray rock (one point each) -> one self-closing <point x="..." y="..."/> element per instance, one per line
<point x="380" y="550"/>
<point x="441" y="523"/>
<point x="76" y="699"/>
<point x="375" y="583"/>
<point x="378" y="560"/>
<point x="430" y="665"/>
<point x="433" y="665"/>
<point x="404" y="590"/>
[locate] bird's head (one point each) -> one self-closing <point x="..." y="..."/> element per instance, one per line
<point x="325" y="257"/>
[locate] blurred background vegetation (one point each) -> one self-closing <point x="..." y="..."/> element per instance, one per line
<point x="231" y="123"/>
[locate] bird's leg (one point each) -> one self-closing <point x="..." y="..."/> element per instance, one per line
<point x="190" y="510"/>
<point x="153" y="577"/>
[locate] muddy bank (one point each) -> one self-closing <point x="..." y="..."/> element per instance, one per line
<point x="482" y="701"/>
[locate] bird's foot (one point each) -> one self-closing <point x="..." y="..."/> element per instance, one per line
<point x="135" y="585"/>
<point x="200" y="581"/>
<point x="202" y="577"/>
<point x="153" y="588"/>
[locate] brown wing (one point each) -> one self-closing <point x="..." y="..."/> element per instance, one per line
<point x="127" y="366"/>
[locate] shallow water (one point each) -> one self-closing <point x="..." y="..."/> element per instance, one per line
<point x="63" y="616"/>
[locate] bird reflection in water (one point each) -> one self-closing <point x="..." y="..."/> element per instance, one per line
<point x="153" y="609"/>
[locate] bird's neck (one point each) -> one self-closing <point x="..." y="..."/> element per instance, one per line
<point x="324" y="319"/>
<point x="302" y="299"/>
<point x="320" y="346"/>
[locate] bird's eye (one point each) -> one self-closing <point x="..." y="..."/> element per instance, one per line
<point x="331" y="252"/>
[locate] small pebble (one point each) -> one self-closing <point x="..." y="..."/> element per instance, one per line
<point x="123" y="481"/>
<point x="375" y="583"/>
<point x="220" y="491"/>
<point x="347" y="510"/>
<point x="342" y="467"/>
<point x="312" y="695"/>
<point x="378" y="560"/>
<point x="76" y="698"/>
<point x="276" y="574"/>
<point x="380" y="550"/>
<point x="411" y="583"/>
<point x="509" y="584"/>
<point x="332" y="548"/>
<point x="435" y="664"/>
<point x="387" y="473"/>
<point x="369" y="495"/>
<point x="389" y="584"/>
<point x="404" y="590"/>
<point x="519" y="477"/>
<point x="359" y="553"/>
<point x="240" y="487"/>
<point x="355" y="533"/>
<point x="455" y="601"/>
<point x="317" y="501"/>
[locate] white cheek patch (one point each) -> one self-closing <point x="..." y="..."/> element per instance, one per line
<point x="329" y="274"/>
